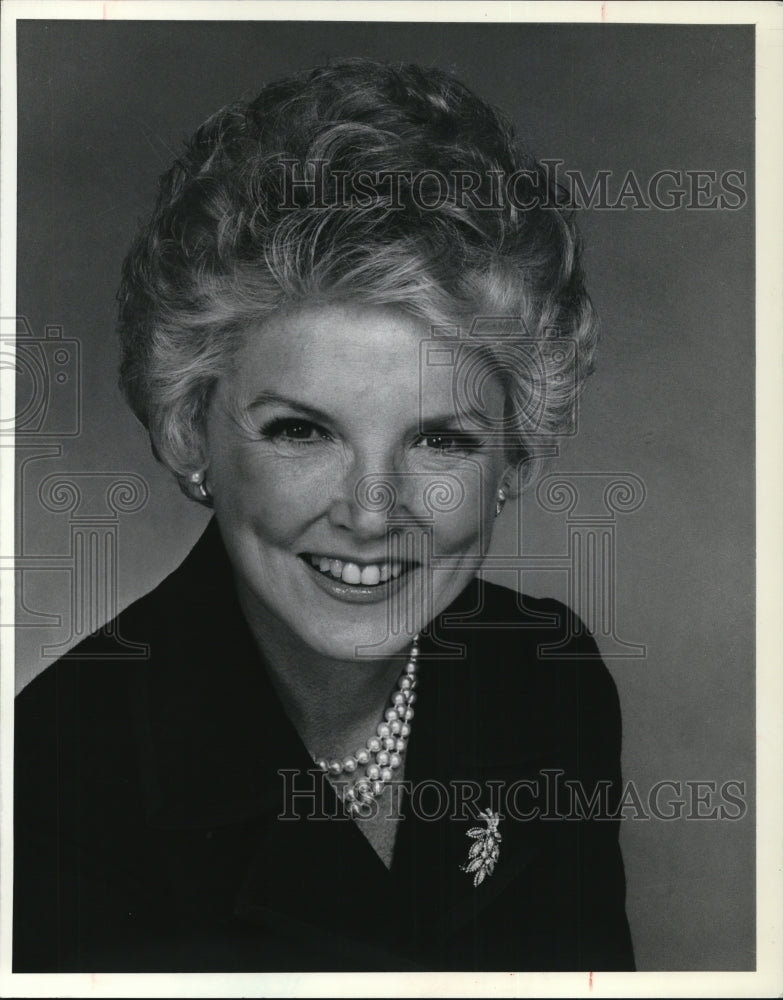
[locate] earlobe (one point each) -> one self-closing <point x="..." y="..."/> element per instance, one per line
<point x="198" y="483"/>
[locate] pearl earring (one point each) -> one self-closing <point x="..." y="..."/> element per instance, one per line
<point x="197" y="479"/>
<point x="500" y="501"/>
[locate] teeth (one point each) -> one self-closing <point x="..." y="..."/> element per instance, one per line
<point x="370" y="576"/>
<point x="350" y="572"/>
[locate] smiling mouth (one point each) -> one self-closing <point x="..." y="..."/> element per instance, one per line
<point x="357" y="574"/>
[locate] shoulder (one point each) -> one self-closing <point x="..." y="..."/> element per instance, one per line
<point x="89" y="683"/>
<point x="83" y="703"/>
<point x="525" y="636"/>
<point x="532" y="664"/>
<point x="141" y="632"/>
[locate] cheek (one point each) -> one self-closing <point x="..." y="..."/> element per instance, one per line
<point x="466" y="516"/>
<point x="269" y="497"/>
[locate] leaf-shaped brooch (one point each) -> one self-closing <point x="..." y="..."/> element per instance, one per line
<point x="485" y="851"/>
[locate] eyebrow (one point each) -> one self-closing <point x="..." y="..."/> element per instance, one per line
<point x="441" y="421"/>
<point x="276" y="399"/>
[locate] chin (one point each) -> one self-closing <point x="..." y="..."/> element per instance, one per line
<point x="358" y="642"/>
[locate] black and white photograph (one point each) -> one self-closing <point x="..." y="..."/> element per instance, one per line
<point x="387" y="429"/>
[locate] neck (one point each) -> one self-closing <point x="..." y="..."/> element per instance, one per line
<point x="334" y="704"/>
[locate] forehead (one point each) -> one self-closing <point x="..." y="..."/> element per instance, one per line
<point x="308" y="337"/>
<point x="328" y="351"/>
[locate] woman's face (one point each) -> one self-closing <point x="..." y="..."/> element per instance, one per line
<point x="350" y="512"/>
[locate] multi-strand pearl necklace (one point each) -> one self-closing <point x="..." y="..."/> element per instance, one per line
<point x="382" y="754"/>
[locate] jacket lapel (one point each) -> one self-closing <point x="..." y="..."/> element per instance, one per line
<point x="453" y="731"/>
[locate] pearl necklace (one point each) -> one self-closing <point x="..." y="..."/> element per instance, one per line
<point x="382" y="754"/>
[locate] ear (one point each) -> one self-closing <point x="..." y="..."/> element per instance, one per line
<point x="509" y="480"/>
<point x="195" y="487"/>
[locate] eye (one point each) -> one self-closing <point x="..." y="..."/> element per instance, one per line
<point x="449" y="443"/>
<point x="294" y="430"/>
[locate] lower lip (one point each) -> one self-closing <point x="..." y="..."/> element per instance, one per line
<point x="357" y="594"/>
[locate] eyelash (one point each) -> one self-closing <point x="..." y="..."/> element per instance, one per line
<point x="282" y="428"/>
<point x="456" y="443"/>
<point x="278" y="428"/>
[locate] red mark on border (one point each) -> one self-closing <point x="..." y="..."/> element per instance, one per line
<point x="590" y="980"/>
<point x="603" y="11"/>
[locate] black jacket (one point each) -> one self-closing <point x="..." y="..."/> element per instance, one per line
<point x="148" y="797"/>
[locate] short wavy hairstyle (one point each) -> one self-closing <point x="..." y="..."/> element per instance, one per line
<point x="364" y="182"/>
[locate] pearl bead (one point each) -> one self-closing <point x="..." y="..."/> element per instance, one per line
<point x="385" y="747"/>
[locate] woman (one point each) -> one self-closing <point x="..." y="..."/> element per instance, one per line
<point x="352" y="326"/>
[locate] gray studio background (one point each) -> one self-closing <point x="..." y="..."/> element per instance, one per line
<point x="102" y="110"/>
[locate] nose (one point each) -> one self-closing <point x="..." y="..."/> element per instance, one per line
<point x="371" y="492"/>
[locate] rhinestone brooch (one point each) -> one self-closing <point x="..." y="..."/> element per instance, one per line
<point x="485" y="851"/>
